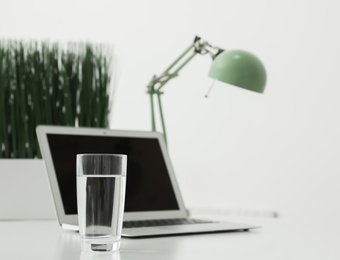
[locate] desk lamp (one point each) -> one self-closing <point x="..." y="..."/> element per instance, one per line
<point x="236" y="67"/>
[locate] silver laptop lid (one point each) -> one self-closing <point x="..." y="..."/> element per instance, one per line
<point x="152" y="190"/>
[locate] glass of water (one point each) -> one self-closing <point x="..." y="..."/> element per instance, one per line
<point x="101" y="181"/>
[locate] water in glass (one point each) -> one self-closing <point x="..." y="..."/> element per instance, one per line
<point x="100" y="208"/>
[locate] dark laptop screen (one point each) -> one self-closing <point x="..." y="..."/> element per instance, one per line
<point x="148" y="183"/>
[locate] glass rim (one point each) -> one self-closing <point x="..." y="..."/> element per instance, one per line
<point x="101" y="154"/>
<point x="101" y="164"/>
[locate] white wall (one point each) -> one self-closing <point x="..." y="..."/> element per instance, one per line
<point x="236" y="149"/>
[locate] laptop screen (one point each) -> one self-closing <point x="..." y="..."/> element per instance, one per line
<point x="148" y="185"/>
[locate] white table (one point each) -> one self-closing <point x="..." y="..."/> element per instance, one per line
<point x="278" y="239"/>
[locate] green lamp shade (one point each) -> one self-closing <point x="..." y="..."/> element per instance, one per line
<point x="239" y="68"/>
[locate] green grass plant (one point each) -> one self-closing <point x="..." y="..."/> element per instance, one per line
<point x="52" y="84"/>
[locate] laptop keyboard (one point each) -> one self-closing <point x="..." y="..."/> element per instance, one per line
<point x="163" y="222"/>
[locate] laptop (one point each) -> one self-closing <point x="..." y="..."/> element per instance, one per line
<point x="153" y="202"/>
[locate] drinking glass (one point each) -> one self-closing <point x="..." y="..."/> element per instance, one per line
<point x="101" y="181"/>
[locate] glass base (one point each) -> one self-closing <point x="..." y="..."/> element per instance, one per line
<point x="96" y="247"/>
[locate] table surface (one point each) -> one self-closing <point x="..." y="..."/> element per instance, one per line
<point x="277" y="239"/>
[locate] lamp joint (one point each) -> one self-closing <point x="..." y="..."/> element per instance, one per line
<point x="153" y="91"/>
<point x="163" y="78"/>
<point x="203" y="47"/>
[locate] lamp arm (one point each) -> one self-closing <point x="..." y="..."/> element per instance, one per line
<point x="161" y="85"/>
<point x="162" y="116"/>
<point x="180" y="57"/>
<point x="175" y="73"/>
<point x="157" y="82"/>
